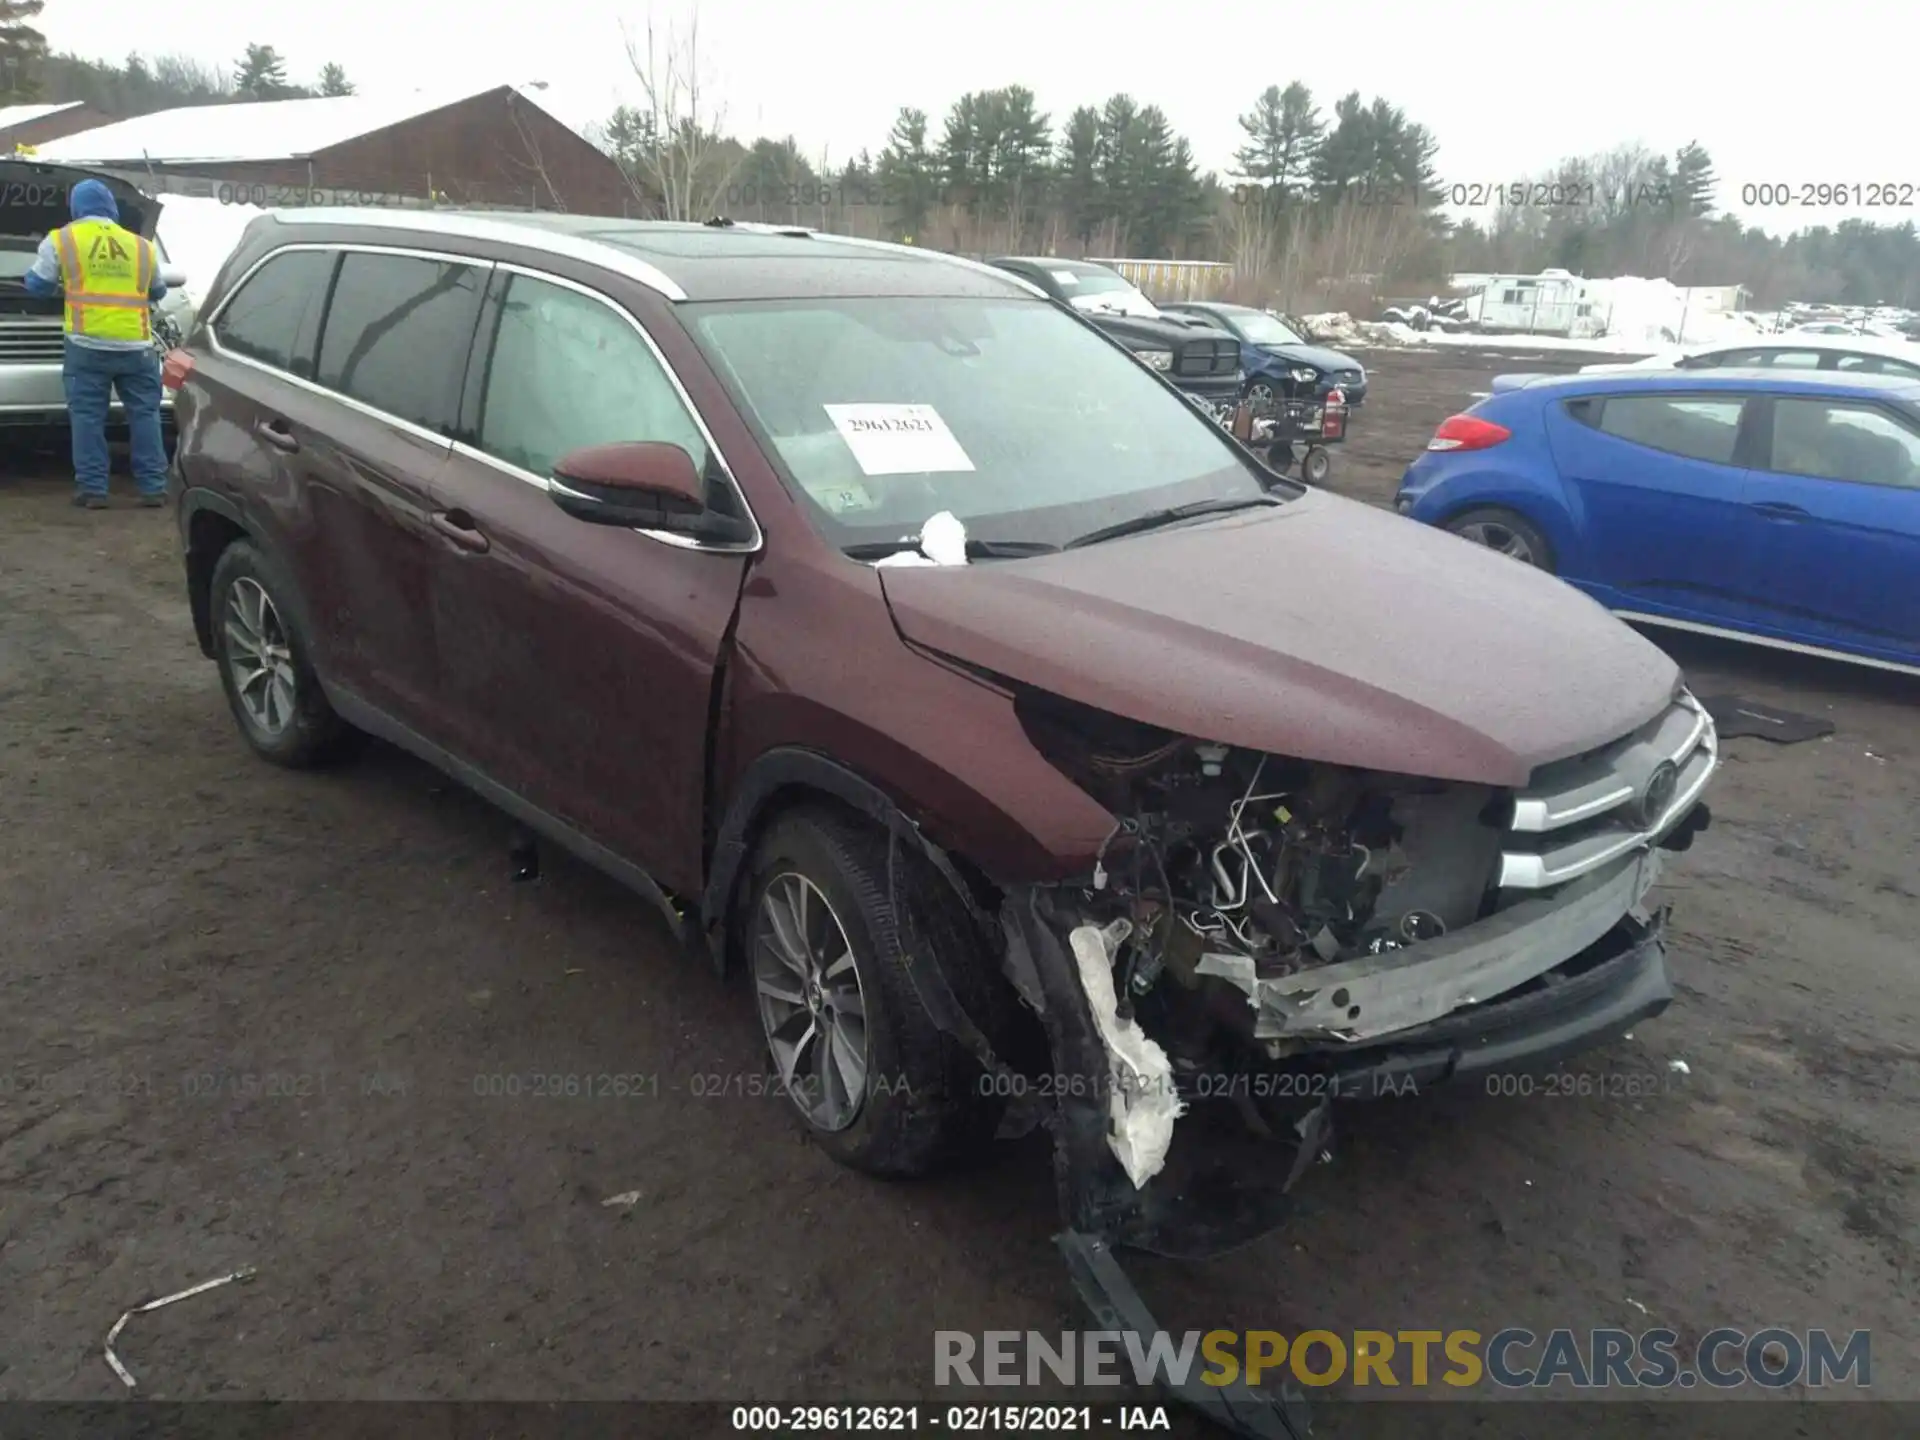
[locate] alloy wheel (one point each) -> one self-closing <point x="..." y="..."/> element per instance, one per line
<point x="259" y="657"/>
<point x="811" y="1003"/>
<point x="1495" y="536"/>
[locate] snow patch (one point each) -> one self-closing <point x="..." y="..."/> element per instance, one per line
<point x="199" y="234"/>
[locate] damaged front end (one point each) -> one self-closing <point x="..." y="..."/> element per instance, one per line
<point x="1261" y="935"/>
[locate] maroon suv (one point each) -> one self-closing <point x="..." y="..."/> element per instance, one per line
<point x="931" y="661"/>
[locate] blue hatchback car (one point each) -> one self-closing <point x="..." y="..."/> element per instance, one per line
<point x="1777" y="508"/>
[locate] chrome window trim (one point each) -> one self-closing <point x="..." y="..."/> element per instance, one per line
<point x="406" y="427"/>
<point x="314" y="387"/>
<point x="447" y="443"/>
<point x="370" y="247"/>
<point x="506" y="232"/>
<point x="737" y="547"/>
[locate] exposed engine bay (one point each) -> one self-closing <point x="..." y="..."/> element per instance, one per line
<point x="1234" y="866"/>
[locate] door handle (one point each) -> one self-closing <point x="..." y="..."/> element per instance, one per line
<point x="457" y="526"/>
<point x="1780" y="510"/>
<point x="277" y="433"/>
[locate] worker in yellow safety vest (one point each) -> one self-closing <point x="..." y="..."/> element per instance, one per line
<point x="110" y="279"/>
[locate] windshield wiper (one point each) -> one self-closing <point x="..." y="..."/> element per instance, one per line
<point x="976" y="549"/>
<point x="1173" y="514"/>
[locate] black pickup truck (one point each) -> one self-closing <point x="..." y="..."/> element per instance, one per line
<point x="1199" y="358"/>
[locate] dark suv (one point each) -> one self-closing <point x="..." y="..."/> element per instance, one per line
<point x="1007" y="723"/>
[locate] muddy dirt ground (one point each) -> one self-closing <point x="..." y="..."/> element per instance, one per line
<point x="257" y="1018"/>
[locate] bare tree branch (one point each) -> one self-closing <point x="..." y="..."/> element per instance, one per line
<point x="682" y="153"/>
<point x="532" y="145"/>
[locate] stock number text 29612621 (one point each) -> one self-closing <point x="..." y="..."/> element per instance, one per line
<point x="268" y="196"/>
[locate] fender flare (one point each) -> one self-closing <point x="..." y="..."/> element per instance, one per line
<point x="787" y="767"/>
<point x="794" y="767"/>
<point x="197" y="499"/>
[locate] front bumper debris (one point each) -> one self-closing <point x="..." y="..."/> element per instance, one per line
<point x="1383" y="995"/>
<point x="1547" y="977"/>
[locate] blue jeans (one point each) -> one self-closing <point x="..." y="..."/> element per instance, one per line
<point x="91" y="376"/>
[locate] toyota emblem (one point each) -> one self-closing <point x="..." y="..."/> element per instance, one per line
<point x="1658" y="794"/>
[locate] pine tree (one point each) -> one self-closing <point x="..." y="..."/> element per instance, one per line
<point x="907" y="172"/>
<point x="1077" y="175"/>
<point x="333" y="80"/>
<point x="1284" y="133"/>
<point x="261" y="74"/>
<point x="1346" y="155"/>
<point x="1694" y="182"/>
<point x="22" y="49"/>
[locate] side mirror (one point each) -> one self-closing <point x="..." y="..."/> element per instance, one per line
<point x="172" y="276"/>
<point x="641" y="484"/>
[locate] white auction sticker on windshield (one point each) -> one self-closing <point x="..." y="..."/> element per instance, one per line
<point x="898" y="439"/>
<point x="1065" y="277"/>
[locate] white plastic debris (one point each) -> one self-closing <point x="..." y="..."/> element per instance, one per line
<point x="1143" y="1104"/>
<point x="625" y="1200"/>
<point x="244" y="1273"/>
<point x="1637" y="1305"/>
<point x="1679" y="1067"/>
<point x="1237" y="969"/>
<point x="942" y="541"/>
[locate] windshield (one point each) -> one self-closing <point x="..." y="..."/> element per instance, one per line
<point x="1020" y="421"/>
<point x="1260" y="328"/>
<point x="1093" y="288"/>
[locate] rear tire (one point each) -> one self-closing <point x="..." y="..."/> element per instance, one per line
<point x="922" y="1102"/>
<point x="265" y="664"/>
<point x="1505" y="531"/>
<point x="1316" y="465"/>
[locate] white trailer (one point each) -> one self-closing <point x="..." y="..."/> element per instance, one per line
<point x="1553" y="302"/>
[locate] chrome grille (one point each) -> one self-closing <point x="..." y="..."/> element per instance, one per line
<point x="1580" y="814"/>
<point x="31" y="342"/>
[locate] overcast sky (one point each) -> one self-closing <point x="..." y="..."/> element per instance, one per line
<point x="1779" y="94"/>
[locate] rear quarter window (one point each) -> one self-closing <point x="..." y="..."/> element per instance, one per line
<point x="272" y="317"/>
<point x="1876" y="365"/>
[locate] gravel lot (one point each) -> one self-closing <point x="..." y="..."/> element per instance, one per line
<point x="256" y="1018"/>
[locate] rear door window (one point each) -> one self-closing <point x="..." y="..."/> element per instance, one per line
<point x="273" y="315"/>
<point x="1699" y="428"/>
<point x="398" y="333"/>
<point x="1833" y="440"/>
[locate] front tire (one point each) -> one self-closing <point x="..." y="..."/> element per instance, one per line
<point x="1506" y="531"/>
<point x="265" y="664"/>
<point x="1314" y="468"/>
<point x="832" y="923"/>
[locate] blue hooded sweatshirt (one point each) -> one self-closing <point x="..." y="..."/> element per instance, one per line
<point x="90" y="200"/>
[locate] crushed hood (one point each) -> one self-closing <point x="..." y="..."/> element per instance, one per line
<point x="1323" y="629"/>
<point x="34" y="199"/>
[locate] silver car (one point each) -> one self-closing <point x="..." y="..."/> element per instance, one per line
<point x="33" y="202"/>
